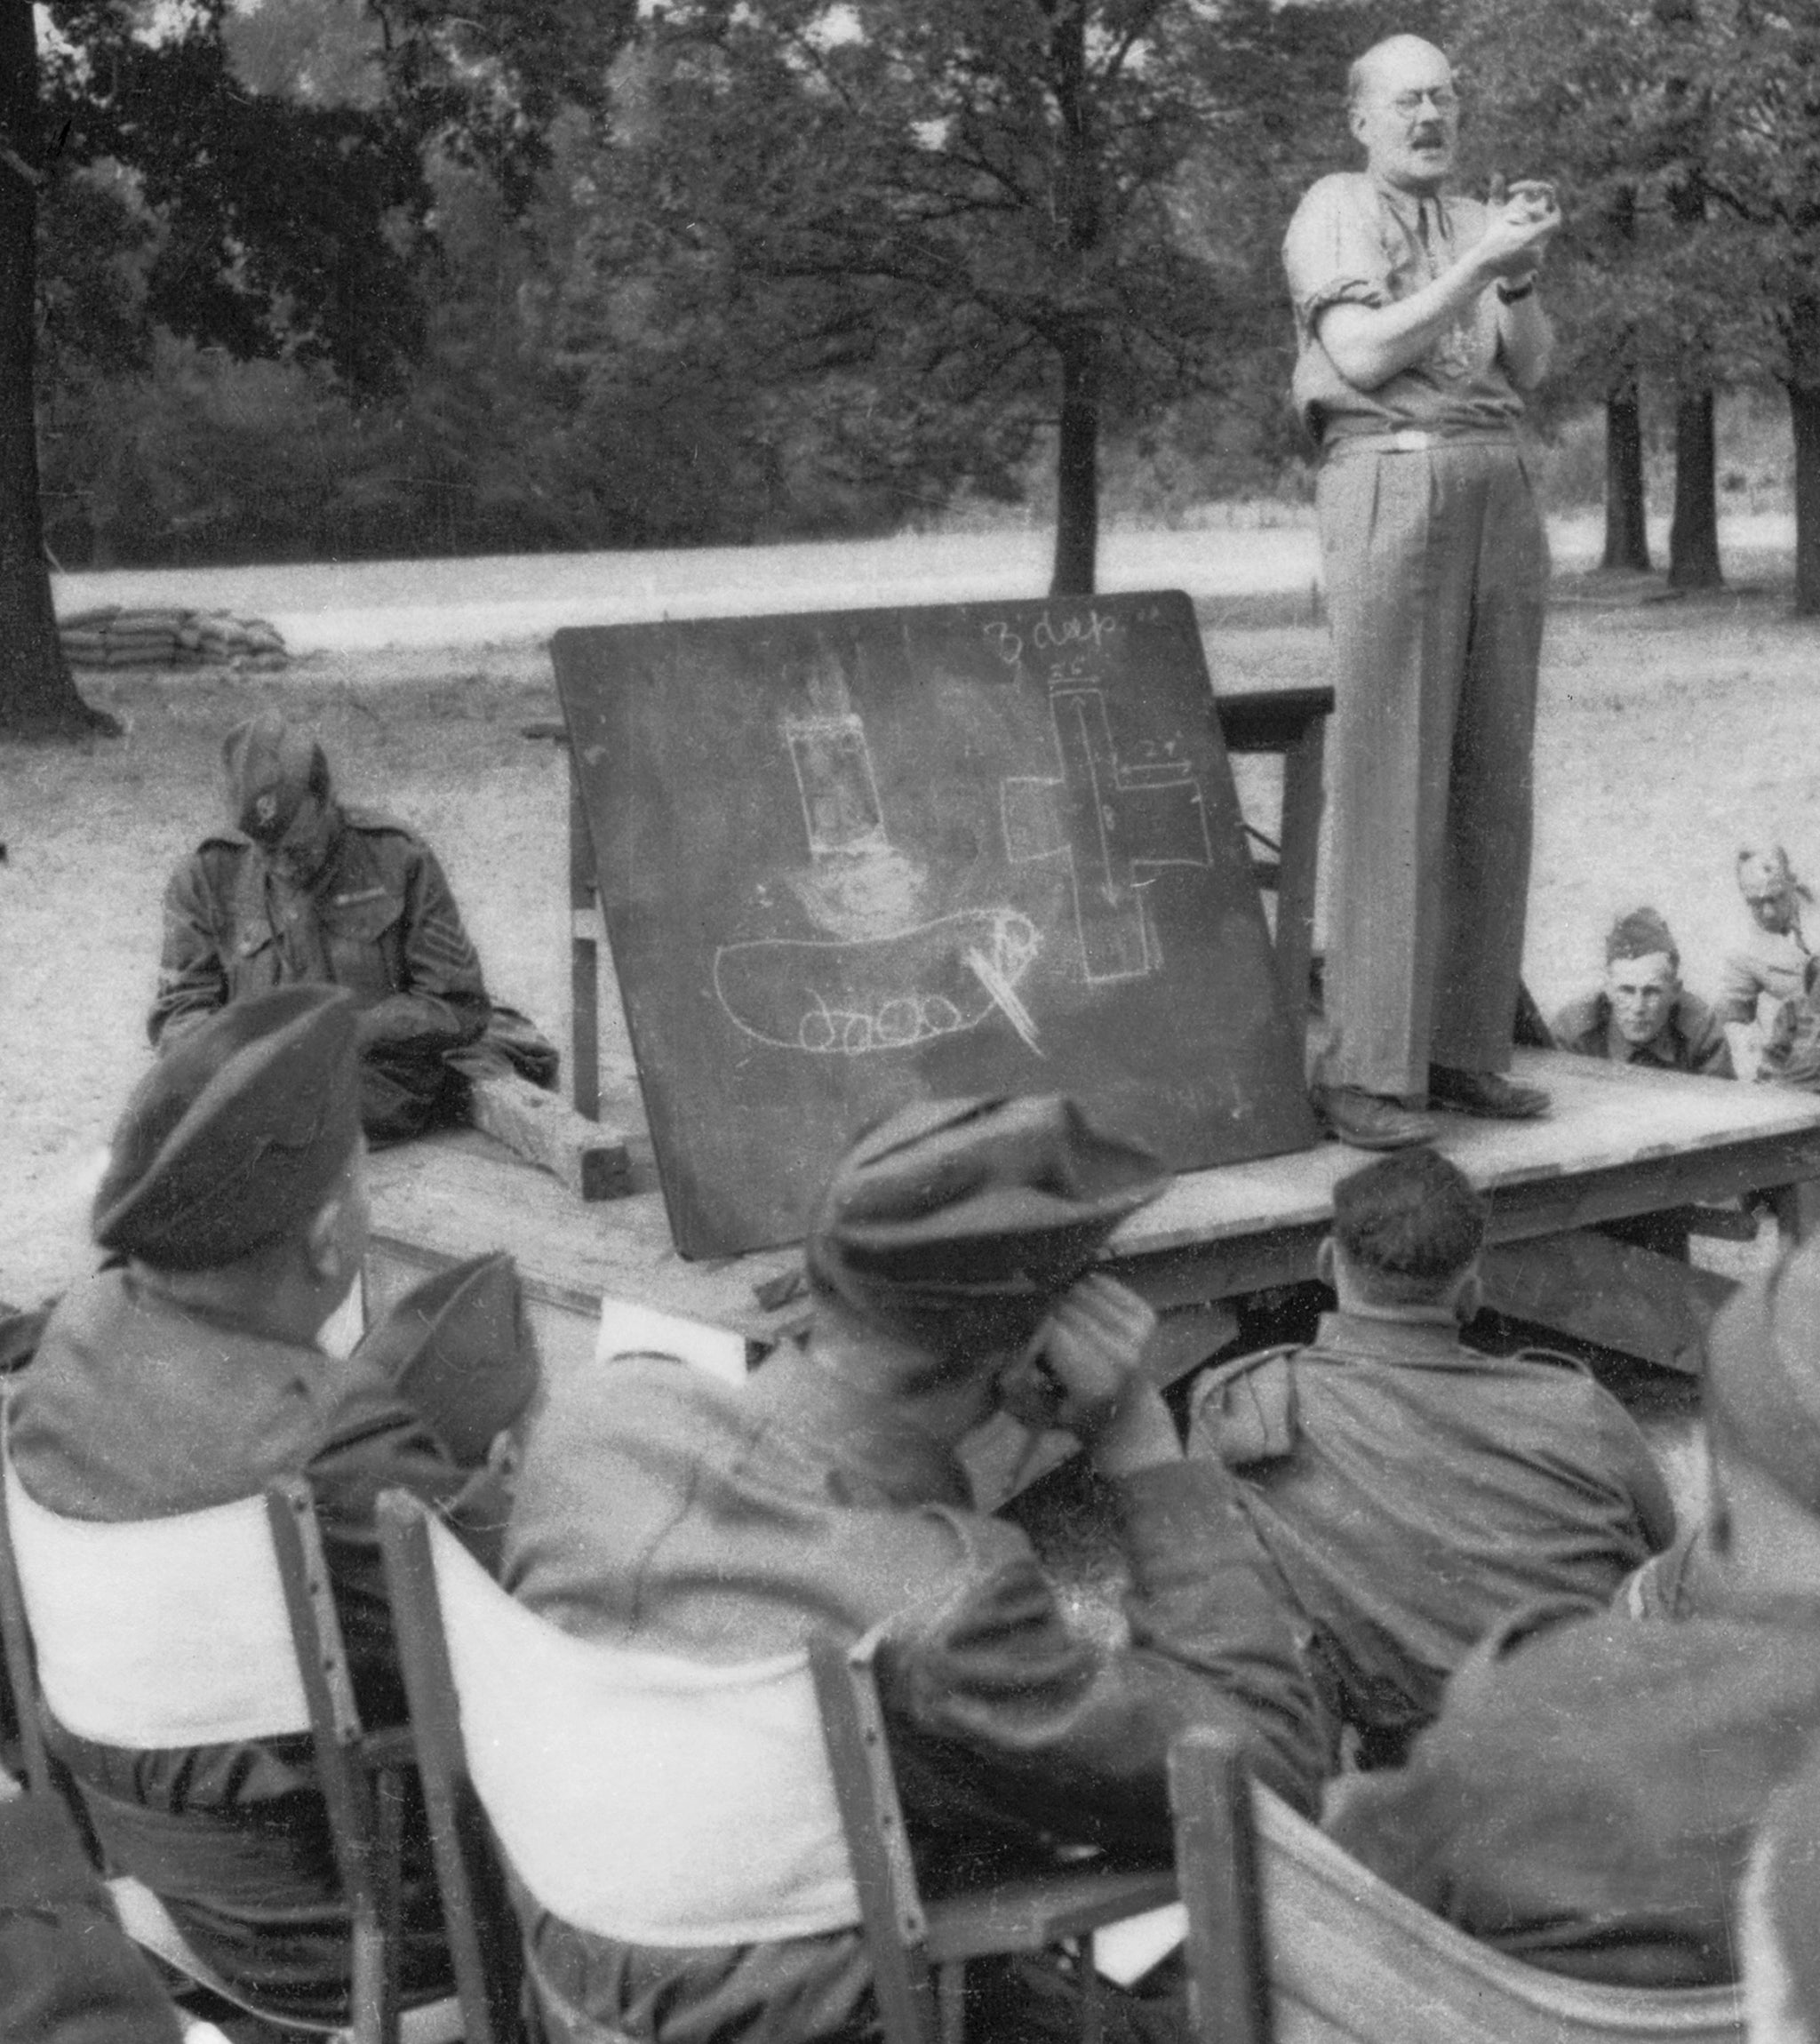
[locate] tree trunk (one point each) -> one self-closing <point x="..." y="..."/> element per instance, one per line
<point x="1077" y="173"/>
<point x="1692" y="536"/>
<point x="1077" y="468"/>
<point x="37" y="697"/>
<point x="1626" y="526"/>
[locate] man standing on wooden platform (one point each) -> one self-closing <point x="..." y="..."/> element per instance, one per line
<point x="1418" y="328"/>
<point x="307" y="890"/>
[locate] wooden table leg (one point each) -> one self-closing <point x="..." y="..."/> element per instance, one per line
<point x="584" y="959"/>
<point x="1301" y="849"/>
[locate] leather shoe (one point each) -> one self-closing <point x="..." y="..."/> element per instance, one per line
<point x="1489" y="1094"/>
<point x="1372" y="1121"/>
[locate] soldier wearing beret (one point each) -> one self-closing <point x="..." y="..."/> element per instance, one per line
<point x="1587" y="1796"/>
<point x="185" y="1374"/>
<point x="1414" y="1491"/>
<point x="659" y="1508"/>
<point x="307" y="890"/>
<point x="1643" y="1015"/>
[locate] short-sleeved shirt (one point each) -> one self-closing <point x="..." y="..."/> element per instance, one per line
<point x="1764" y="962"/>
<point x="1355" y="241"/>
<point x="1692" y="1039"/>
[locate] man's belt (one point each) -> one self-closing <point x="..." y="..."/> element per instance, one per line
<point x="1413" y="440"/>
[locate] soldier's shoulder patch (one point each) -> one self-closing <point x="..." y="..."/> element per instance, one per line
<point x="1243" y="1412"/>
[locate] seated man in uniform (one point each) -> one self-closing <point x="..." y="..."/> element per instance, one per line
<point x="185" y="1374"/>
<point x="1643" y="1015"/>
<point x="1411" y="1490"/>
<point x="68" y="1974"/>
<point x="1587" y="1796"/>
<point x="1773" y="958"/>
<point x="305" y="891"/>
<point x="659" y="1508"/>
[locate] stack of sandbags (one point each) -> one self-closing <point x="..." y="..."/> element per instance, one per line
<point x="114" y="637"/>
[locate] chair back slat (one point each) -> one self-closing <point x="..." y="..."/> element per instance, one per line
<point x="889" y="1902"/>
<point x="484" y="1942"/>
<point x="21" y="1668"/>
<point x="167" y="1632"/>
<point x="1216" y="1866"/>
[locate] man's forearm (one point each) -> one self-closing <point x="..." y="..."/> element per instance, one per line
<point x="1370" y="344"/>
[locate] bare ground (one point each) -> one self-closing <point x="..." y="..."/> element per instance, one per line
<point x="1667" y="730"/>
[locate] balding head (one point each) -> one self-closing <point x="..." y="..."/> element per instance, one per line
<point x="1402" y="107"/>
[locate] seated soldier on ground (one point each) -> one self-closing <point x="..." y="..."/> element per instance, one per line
<point x="1643" y="1015"/>
<point x="661" y="1509"/>
<point x="305" y="891"/>
<point x="1771" y="962"/>
<point x="184" y="1374"/>
<point x="1412" y="1491"/>
<point x="1586" y="1799"/>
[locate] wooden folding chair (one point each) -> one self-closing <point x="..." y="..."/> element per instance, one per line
<point x="239" y="1598"/>
<point x="1290" y="1941"/>
<point x="517" y="1772"/>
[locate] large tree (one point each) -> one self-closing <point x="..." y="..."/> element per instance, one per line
<point x="960" y="222"/>
<point x="37" y="698"/>
<point x="282" y="223"/>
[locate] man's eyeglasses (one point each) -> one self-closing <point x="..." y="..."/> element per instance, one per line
<point x="1444" y="101"/>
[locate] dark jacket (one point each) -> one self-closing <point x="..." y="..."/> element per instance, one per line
<point x="1413" y="1492"/>
<point x="136" y="1409"/>
<point x="378" y="920"/>
<point x="1586" y="1800"/>
<point x="1693" y="1039"/>
<point x="68" y="1974"/>
<point x="660" y="1508"/>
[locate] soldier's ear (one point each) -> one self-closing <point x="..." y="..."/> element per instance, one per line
<point x="1469" y="1295"/>
<point x="1324" y="1262"/>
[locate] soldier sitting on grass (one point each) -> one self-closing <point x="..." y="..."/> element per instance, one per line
<point x="305" y="891"/>
<point x="1643" y="1015"/>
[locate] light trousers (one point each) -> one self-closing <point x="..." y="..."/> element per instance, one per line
<point x="1436" y="570"/>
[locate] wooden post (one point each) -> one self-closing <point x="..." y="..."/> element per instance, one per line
<point x="584" y="957"/>
<point x="1301" y="845"/>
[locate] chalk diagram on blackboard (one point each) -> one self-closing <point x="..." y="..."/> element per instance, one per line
<point x="1117" y="823"/>
<point x="875" y="988"/>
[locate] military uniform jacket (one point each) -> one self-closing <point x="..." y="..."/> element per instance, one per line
<point x="378" y="920"/>
<point x="1692" y="1039"/>
<point x="658" y="1508"/>
<point x="1586" y="1800"/>
<point x="1412" y="1492"/>
<point x="136" y="1407"/>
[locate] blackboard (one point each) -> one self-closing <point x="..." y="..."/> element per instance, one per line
<point x="855" y="858"/>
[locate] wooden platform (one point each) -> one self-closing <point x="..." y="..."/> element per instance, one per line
<point x="1620" y="1141"/>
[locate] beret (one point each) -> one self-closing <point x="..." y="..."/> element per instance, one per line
<point x="1763" y="1389"/>
<point x="236" y="1135"/>
<point x="457" y="1348"/>
<point x="962" y="1221"/>
<point x="269" y="769"/>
